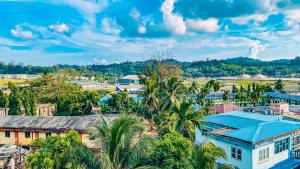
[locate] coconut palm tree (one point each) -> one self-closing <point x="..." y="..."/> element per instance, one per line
<point x="123" y="142"/>
<point x="205" y="155"/>
<point x="172" y="93"/>
<point x="225" y="96"/>
<point x="187" y="118"/>
<point x="279" y="86"/>
<point x="193" y="89"/>
<point x="150" y="100"/>
<point x="214" y="84"/>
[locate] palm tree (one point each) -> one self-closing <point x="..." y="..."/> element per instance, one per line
<point x="187" y="118"/>
<point x="150" y="101"/>
<point x="201" y="96"/>
<point x="279" y="86"/>
<point x="215" y="85"/>
<point x="172" y="93"/>
<point x="193" y="89"/>
<point x="123" y="142"/>
<point x="206" y="154"/>
<point x="225" y="96"/>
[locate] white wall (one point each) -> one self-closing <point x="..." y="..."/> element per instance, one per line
<point x="273" y="158"/>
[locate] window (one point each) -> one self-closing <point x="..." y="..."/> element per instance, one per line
<point x="48" y="135"/>
<point x="281" y="145"/>
<point x="204" y="132"/>
<point x="7" y="134"/>
<point x="296" y="140"/>
<point x="263" y="154"/>
<point x="236" y="153"/>
<point x="27" y="134"/>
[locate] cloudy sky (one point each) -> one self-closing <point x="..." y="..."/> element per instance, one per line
<point x="108" y="31"/>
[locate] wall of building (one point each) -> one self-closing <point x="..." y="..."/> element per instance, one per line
<point x="273" y="158"/>
<point x="18" y="138"/>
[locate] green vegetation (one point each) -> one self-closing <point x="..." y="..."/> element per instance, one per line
<point x="210" y="68"/>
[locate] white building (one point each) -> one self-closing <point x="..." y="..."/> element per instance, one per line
<point x="253" y="141"/>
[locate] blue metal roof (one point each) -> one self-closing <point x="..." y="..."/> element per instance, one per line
<point x="289" y="163"/>
<point x="282" y="96"/>
<point x="252" y="127"/>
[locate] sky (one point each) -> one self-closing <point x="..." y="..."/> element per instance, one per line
<point x="39" y="32"/>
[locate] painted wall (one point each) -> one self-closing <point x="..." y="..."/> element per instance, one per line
<point x="19" y="138"/>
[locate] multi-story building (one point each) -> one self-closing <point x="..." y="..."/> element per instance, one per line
<point x="253" y="141"/>
<point x="45" y="109"/>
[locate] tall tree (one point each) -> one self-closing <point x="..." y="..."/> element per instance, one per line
<point x="3" y="99"/>
<point x="226" y="95"/>
<point x="172" y="93"/>
<point x="123" y="142"/>
<point x="15" y="102"/>
<point x="187" y="118"/>
<point x="26" y="101"/>
<point x="279" y="86"/>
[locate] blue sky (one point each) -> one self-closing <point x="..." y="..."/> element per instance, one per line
<point x="109" y="31"/>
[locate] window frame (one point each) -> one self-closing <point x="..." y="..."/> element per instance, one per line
<point x="7" y="134"/>
<point x="263" y="154"/>
<point x="27" y="134"/>
<point x="236" y="153"/>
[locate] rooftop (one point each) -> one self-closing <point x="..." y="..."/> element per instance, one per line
<point x="283" y="96"/>
<point x="57" y="123"/>
<point x="131" y="77"/>
<point x="252" y="127"/>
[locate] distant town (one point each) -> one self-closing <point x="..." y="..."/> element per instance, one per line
<point x="249" y="121"/>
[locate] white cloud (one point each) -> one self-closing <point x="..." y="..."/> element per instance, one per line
<point x="101" y="62"/>
<point x="134" y="13"/>
<point x="142" y="29"/>
<point x="20" y="33"/>
<point x="110" y="26"/>
<point x="243" y="20"/>
<point x="60" y="28"/>
<point x="172" y="21"/>
<point x="293" y="14"/>
<point x="255" y="48"/>
<point x="209" y="25"/>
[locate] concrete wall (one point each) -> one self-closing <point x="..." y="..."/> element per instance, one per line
<point x="18" y="138"/>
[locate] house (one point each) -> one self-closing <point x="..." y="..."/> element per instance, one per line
<point x="224" y="108"/>
<point x="45" y="109"/>
<point x="22" y="130"/>
<point x="281" y="97"/>
<point x="280" y="108"/>
<point x="251" y="140"/>
<point x="4" y="111"/>
<point x="129" y="80"/>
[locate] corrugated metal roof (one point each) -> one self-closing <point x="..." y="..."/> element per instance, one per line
<point x="48" y="123"/>
<point x="252" y="127"/>
<point x="282" y="96"/>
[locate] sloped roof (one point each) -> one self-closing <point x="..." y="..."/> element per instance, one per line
<point x="59" y="123"/>
<point x="252" y="127"/>
<point x="263" y="131"/>
<point x="131" y="77"/>
<point x="282" y="96"/>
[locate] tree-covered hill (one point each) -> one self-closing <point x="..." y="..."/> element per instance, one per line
<point x="208" y="68"/>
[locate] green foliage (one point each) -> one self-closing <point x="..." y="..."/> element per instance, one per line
<point x="15" y="102"/>
<point x="3" y="99"/>
<point x="205" y="155"/>
<point x="61" y="153"/>
<point x="279" y="86"/>
<point x="123" y="142"/>
<point x="173" y="151"/>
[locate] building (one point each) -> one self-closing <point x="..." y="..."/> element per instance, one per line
<point x="41" y="110"/>
<point x="281" y="97"/>
<point x="4" y="111"/>
<point x="129" y="80"/>
<point x="280" y="108"/>
<point x="22" y="130"/>
<point x="46" y="109"/>
<point x="224" y="108"/>
<point x="253" y="141"/>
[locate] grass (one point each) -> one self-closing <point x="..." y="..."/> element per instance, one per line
<point x="4" y="82"/>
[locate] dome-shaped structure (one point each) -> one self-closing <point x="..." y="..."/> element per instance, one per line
<point x="259" y="76"/>
<point x="245" y="76"/>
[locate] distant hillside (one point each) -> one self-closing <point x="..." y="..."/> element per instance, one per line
<point x="210" y="68"/>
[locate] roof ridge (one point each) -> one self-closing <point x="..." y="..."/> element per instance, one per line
<point x="258" y="129"/>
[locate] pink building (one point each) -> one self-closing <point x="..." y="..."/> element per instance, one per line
<point x="280" y="108"/>
<point x="224" y="108"/>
